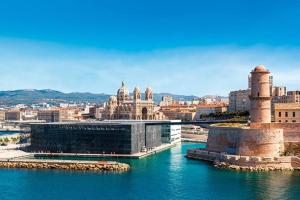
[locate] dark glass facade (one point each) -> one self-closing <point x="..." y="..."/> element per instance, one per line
<point x="94" y="138"/>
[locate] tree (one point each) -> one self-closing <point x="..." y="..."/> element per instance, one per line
<point x="14" y="139"/>
<point x="6" y="140"/>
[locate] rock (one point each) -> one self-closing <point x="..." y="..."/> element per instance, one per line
<point x="100" y="166"/>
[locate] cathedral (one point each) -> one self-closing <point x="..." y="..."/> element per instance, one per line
<point x="126" y="107"/>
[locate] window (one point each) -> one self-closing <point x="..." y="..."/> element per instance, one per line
<point x="294" y="121"/>
<point x="294" y="114"/>
<point x="286" y="121"/>
<point x="279" y="114"/>
<point x="286" y="114"/>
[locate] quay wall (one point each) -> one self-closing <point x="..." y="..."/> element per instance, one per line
<point x="246" y="142"/>
<point x="247" y="162"/>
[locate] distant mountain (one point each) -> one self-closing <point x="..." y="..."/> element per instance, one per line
<point x="29" y="97"/>
<point x="47" y="96"/>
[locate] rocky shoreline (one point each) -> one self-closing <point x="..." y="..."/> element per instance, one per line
<point x="225" y="165"/>
<point x="101" y="166"/>
<point x="245" y="163"/>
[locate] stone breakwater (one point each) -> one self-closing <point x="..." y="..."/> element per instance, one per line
<point x="225" y="165"/>
<point x="101" y="166"/>
<point x="246" y="163"/>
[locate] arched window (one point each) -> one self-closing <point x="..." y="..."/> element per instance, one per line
<point x="144" y="113"/>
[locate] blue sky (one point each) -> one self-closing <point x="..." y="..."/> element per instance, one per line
<point x="185" y="47"/>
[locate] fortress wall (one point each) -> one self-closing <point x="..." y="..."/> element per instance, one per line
<point x="291" y="131"/>
<point x="223" y="140"/>
<point x="246" y="142"/>
<point x="258" y="162"/>
<point x="261" y="142"/>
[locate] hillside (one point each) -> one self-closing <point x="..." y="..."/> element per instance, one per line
<point x="55" y="97"/>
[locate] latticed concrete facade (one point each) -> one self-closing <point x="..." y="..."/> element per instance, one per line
<point x="126" y="107"/>
<point x="101" y="137"/>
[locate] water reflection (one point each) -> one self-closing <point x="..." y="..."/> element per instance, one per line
<point x="273" y="185"/>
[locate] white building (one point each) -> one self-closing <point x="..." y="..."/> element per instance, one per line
<point x="166" y="101"/>
<point x="171" y="133"/>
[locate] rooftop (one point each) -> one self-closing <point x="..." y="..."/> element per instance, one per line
<point x="260" y="68"/>
<point x="287" y="106"/>
<point x="110" y="122"/>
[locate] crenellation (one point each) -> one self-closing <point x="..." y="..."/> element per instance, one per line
<point x="255" y="159"/>
<point x="267" y="159"/>
<point x="234" y="158"/>
<point x="244" y="158"/>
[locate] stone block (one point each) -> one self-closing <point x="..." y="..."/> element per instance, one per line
<point x="203" y="152"/>
<point x="234" y="158"/>
<point x="191" y="151"/>
<point x="283" y="159"/>
<point x="197" y="150"/>
<point x="267" y="159"/>
<point x="214" y="154"/>
<point x="223" y="155"/>
<point x="227" y="157"/>
<point x="244" y="158"/>
<point x="255" y="159"/>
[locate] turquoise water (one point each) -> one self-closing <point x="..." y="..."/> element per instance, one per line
<point x="8" y="132"/>
<point x="168" y="175"/>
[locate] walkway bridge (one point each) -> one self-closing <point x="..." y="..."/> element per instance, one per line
<point x="204" y="124"/>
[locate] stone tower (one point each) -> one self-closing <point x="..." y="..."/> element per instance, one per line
<point x="260" y="111"/>
<point x="136" y="94"/>
<point x="148" y="94"/>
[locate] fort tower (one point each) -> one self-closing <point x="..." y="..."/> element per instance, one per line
<point x="260" y="98"/>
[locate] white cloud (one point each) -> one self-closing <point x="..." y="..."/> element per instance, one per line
<point x="194" y="70"/>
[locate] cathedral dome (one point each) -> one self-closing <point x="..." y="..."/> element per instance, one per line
<point x="123" y="89"/>
<point x="123" y="93"/>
